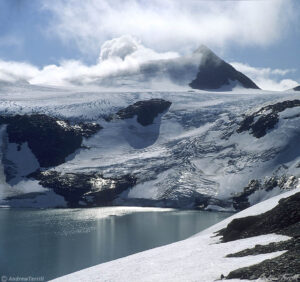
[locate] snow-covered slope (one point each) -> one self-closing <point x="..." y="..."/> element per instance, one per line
<point x="200" y="258"/>
<point x="191" y="155"/>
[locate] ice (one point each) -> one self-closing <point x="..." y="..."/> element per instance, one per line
<point x="193" y="148"/>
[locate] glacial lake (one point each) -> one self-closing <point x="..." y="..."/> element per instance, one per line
<point x="56" y="242"/>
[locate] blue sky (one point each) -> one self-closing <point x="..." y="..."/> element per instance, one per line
<point x="24" y="35"/>
<point x="261" y="34"/>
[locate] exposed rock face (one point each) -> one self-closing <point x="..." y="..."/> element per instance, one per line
<point x="214" y="73"/>
<point x="283" y="268"/>
<point x="142" y="120"/>
<point x="297" y="88"/>
<point x="50" y="140"/>
<point x="278" y="220"/>
<point x="258" y="123"/>
<point x="146" y="111"/>
<point x="241" y="201"/>
<point x="283" y="219"/>
<point x="84" y="189"/>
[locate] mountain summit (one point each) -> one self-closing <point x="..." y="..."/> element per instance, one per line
<point x="297" y="88"/>
<point x="215" y="73"/>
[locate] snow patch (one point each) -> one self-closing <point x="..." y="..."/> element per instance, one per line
<point x="22" y="158"/>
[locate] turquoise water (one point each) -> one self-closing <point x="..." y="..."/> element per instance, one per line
<point x="51" y="243"/>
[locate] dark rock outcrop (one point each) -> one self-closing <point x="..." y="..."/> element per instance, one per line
<point x="240" y="201"/>
<point x="278" y="220"/>
<point x="297" y="88"/>
<point x="146" y="111"/>
<point x="283" y="219"/>
<point x="283" y="268"/>
<point x="84" y="189"/>
<point x="50" y="140"/>
<point x="259" y="122"/>
<point x="214" y="73"/>
<point x="270" y="248"/>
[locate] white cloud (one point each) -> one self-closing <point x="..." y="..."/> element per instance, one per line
<point x="170" y="24"/>
<point x="119" y="47"/>
<point x="126" y="59"/>
<point x="16" y="71"/>
<point x="127" y="46"/>
<point x="119" y="56"/>
<point x="267" y="78"/>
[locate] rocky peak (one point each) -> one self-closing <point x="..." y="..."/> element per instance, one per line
<point x="215" y="73"/>
<point x="207" y="55"/>
<point x="297" y="88"/>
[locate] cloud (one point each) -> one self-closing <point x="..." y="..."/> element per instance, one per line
<point x="121" y="57"/>
<point x="119" y="47"/>
<point x="170" y="24"/>
<point x="267" y="78"/>
<point x="16" y="71"/>
<point x="127" y="46"/>
<point x="125" y="60"/>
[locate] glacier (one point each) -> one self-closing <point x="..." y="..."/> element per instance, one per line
<point x="190" y="156"/>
